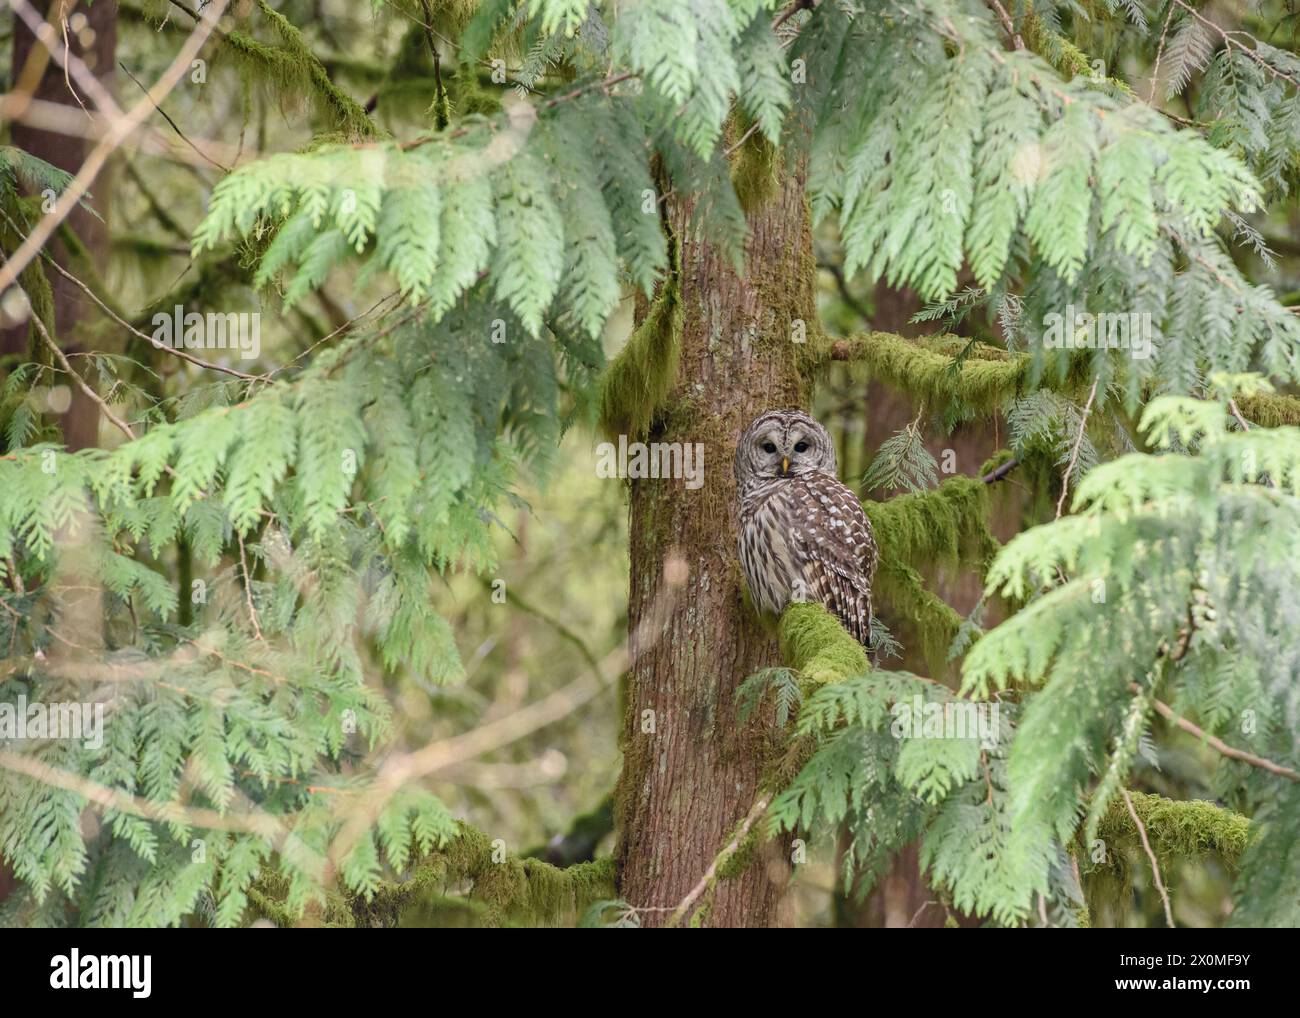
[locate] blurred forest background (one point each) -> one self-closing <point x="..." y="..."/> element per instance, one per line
<point x="285" y="76"/>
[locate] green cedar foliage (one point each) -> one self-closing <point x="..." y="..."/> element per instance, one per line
<point x="1154" y="567"/>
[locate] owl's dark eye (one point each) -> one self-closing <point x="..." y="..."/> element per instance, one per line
<point x="769" y="447"/>
<point x="801" y="447"/>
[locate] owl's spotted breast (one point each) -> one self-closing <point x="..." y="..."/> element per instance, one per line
<point x="806" y="538"/>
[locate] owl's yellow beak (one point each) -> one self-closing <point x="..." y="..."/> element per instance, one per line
<point x="785" y="465"/>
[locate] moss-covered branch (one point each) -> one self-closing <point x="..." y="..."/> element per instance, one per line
<point x="1270" y="409"/>
<point x="944" y="370"/>
<point x="1068" y="58"/>
<point x="948" y="525"/>
<point x="1177" y="828"/>
<point x="928" y="369"/>
<point x="578" y="843"/>
<point x="291" y="67"/>
<point x="502" y="890"/>
<point x="813" y="642"/>
<point x="935" y="621"/>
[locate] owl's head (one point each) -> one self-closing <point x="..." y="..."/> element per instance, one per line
<point x="783" y="443"/>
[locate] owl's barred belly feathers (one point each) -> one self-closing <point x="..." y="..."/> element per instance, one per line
<point x="806" y="538"/>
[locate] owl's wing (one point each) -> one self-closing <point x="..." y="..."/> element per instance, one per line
<point x="832" y="540"/>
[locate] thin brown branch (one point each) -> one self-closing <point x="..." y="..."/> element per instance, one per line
<point x="1236" y="412"/>
<point x="328" y="336"/>
<point x="791" y="11"/>
<point x="440" y="91"/>
<point x="256" y="822"/>
<point x="1217" y="744"/>
<point x="1007" y="25"/>
<point x="1160" y="52"/>
<point x="80" y="382"/>
<point x="1151" y="855"/>
<point x="996" y="475"/>
<point x="73" y="66"/>
<point x="605" y="85"/>
<point x="710" y="875"/>
<point x="1074" y="453"/>
<point x="56" y="118"/>
<point x="446" y="753"/>
<point x="248" y="588"/>
<point x="174" y="126"/>
<point x="184" y="355"/>
<point x="1229" y="41"/>
<point x="743" y="138"/>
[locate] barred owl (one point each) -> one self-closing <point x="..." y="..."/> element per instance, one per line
<point x="803" y="534"/>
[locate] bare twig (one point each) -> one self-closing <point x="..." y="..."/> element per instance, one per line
<point x="256" y="822"/>
<point x="446" y="753"/>
<point x="1215" y="743"/>
<point x="1232" y="405"/>
<point x="743" y="138"/>
<point x="1229" y="41"/>
<point x="1160" y="52"/>
<point x="1007" y="25"/>
<point x="80" y="382"/>
<point x="175" y="127"/>
<point x="1002" y="471"/>
<point x="248" y="588"/>
<point x="710" y="875"/>
<point x="184" y="355"/>
<point x="326" y="338"/>
<point x="1074" y="453"/>
<point x="73" y="66"/>
<point x="440" y="91"/>
<point x="605" y="85"/>
<point x="57" y="118"/>
<point x="791" y="11"/>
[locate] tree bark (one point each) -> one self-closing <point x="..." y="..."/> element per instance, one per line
<point x="691" y="770"/>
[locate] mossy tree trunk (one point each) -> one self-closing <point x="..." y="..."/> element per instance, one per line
<point x="691" y="770"/>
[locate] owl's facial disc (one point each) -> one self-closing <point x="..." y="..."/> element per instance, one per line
<point x="783" y="444"/>
<point x="786" y="453"/>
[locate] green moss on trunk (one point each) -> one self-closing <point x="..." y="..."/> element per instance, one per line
<point x="638" y="381"/>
